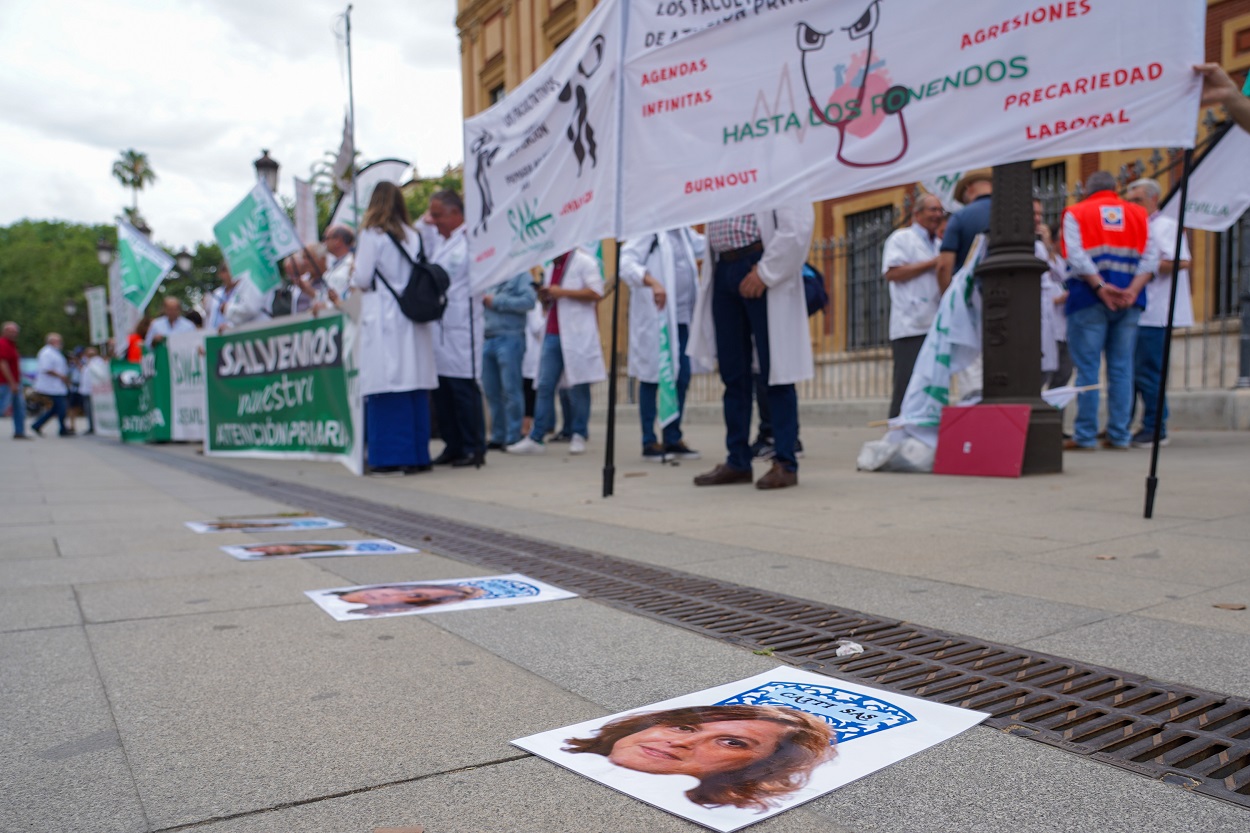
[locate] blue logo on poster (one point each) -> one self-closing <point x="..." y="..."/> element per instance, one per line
<point x="1112" y="217"/>
<point x="370" y="547"/>
<point x="502" y="588"/>
<point x="851" y="715"/>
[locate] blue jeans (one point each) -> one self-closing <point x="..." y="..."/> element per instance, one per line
<point x="1148" y="373"/>
<point x="59" y="409"/>
<point x="15" y="394"/>
<point x="1091" y="332"/>
<point x="737" y="319"/>
<point x="504" y="387"/>
<point x="648" y="394"/>
<point x="550" y="368"/>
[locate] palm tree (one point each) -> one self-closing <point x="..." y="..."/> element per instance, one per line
<point x="133" y="171"/>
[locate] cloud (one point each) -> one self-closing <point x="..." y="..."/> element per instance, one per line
<point x="201" y="86"/>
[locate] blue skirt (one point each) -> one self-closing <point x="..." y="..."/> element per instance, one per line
<point x="397" y="428"/>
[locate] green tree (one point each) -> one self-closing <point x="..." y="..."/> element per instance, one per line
<point x="193" y="287"/>
<point x="418" y="192"/>
<point x="134" y="171"/>
<point x="43" y="266"/>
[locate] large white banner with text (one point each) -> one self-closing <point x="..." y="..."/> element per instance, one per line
<point x="735" y="105"/>
<point x="541" y="165"/>
<point x="1219" y="187"/>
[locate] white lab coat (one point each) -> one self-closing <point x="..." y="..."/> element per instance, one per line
<point x="579" y="320"/>
<point x="639" y="258"/>
<point x="535" y="329"/>
<point x="452" y="332"/>
<point x="786" y="241"/>
<point x="396" y="354"/>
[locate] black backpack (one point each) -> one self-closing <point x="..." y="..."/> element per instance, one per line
<point x="425" y="296"/>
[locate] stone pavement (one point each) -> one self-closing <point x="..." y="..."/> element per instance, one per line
<point x="150" y="682"/>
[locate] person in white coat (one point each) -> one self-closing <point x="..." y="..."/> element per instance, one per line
<point x="662" y="272"/>
<point x="751" y="308"/>
<point x="572" y="288"/>
<point x="458" y="336"/>
<point x="396" y="354"/>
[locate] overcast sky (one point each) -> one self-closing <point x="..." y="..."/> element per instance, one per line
<point x="201" y="86"/>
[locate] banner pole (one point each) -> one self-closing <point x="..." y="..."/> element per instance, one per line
<point x="609" y="453"/>
<point x="351" y="117"/>
<point x="1152" y="481"/>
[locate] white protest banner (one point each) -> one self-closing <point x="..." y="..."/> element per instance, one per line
<point x="188" y="389"/>
<point x="97" y="313"/>
<point x="124" y="316"/>
<point x="541" y="165"/>
<point x="367" y="178"/>
<point x="1219" y="185"/>
<point x="103" y="403"/>
<point x="255" y="236"/>
<point x="143" y="266"/>
<point x="737" y="105"/>
<point x="305" y="212"/>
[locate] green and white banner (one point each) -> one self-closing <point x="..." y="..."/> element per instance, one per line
<point x="669" y="408"/>
<point x="255" y="236"/>
<point x="142" y="394"/>
<point x="188" y="386"/>
<point x="143" y="265"/>
<point x="103" y="404"/>
<point x="285" y="391"/>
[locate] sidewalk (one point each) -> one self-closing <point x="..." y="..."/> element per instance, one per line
<point x="152" y="682"/>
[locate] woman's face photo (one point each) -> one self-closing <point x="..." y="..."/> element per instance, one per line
<point x="698" y="749"/>
<point x="422" y="594"/>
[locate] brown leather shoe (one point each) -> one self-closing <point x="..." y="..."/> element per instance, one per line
<point x="778" y="477"/>
<point x="723" y="475"/>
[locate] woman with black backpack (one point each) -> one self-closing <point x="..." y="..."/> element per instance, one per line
<point x="396" y="355"/>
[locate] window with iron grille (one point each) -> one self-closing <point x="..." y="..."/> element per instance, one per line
<point x="867" y="298"/>
<point x="497" y="94"/>
<point x="1050" y="185"/>
<point x="1232" y="269"/>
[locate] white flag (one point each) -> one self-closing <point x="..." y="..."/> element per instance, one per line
<point x="367" y="178"/>
<point x="541" y="165"/>
<point x="1219" y="186"/>
<point x="343" y="163"/>
<point x="305" y="212"/>
<point x="739" y="106"/>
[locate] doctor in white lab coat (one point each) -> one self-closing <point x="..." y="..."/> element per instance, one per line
<point x="571" y="352"/>
<point x="752" y="309"/>
<point x="662" y="272"/>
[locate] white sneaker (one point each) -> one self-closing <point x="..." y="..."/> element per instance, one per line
<point x="577" y="444"/>
<point x="526" y="445"/>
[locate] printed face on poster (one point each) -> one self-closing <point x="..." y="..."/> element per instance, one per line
<point x="264" y="525"/>
<point x="315" y="549"/>
<point x="742" y="752"/>
<point x="416" y="597"/>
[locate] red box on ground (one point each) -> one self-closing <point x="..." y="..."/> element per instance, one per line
<point x="982" y="440"/>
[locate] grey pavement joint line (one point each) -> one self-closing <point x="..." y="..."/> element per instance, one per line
<point x="121" y="744"/>
<point x="1159" y="730"/>
<point x="344" y="794"/>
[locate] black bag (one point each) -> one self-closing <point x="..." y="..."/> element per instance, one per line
<point x="425" y="296"/>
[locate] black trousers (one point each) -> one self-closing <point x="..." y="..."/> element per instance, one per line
<point x="906" y="351"/>
<point x="458" y="407"/>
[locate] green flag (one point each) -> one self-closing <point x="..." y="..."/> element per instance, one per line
<point x="254" y="236"/>
<point x="669" y="407"/>
<point x="143" y="265"/>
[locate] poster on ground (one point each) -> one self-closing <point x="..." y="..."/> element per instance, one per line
<point x="371" y="601"/>
<point x="745" y="751"/>
<point x="315" y="549"/>
<point x="282" y="391"/>
<point x="278" y="524"/>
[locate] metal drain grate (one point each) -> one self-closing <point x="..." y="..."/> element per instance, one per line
<point x="1185" y="736"/>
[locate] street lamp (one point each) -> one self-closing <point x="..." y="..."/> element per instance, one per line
<point x="104" y="252"/>
<point x="267" y="170"/>
<point x="183" y="258"/>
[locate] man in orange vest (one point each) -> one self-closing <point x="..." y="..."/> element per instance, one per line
<point x="1108" y="246"/>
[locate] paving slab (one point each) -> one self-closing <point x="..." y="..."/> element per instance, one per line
<point x="242" y="710"/>
<point x="61" y="761"/>
<point x="53" y="606"/>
